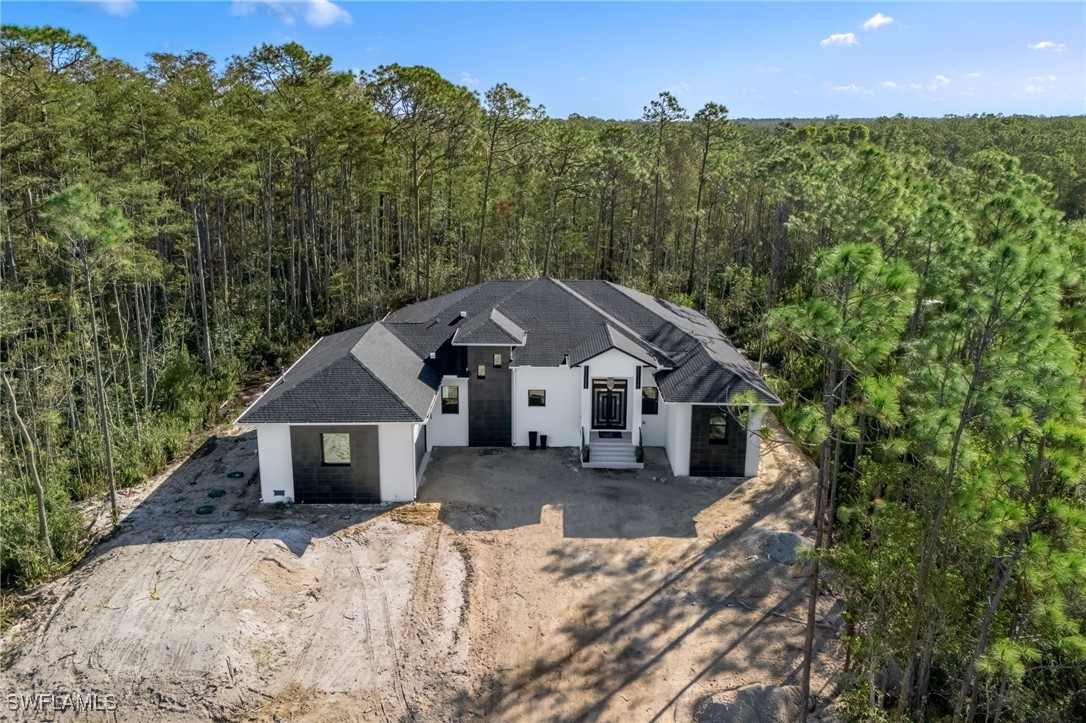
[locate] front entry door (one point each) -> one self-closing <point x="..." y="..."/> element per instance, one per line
<point x="608" y="405"/>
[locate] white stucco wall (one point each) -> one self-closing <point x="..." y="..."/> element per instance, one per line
<point x="449" y="430"/>
<point x="612" y="363"/>
<point x="420" y="429"/>
<point x="653" y="426"/>
<point x="754" y="445"/>
<point x="678" y="438"/>
<point x="276" y="472"/>
<point x="396" y="446"/>
<point x="560" y="419"/>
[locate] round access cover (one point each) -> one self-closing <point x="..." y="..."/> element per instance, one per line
<point x="205" y="510"/>
<point x="236" y="474"/>
<point x="216" y="493"/>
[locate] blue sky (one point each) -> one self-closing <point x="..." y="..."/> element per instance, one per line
<point x="609" y="59"/>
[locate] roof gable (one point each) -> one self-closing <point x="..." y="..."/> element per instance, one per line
<point x="493" y="329"/>
<point x="606" y="339"/>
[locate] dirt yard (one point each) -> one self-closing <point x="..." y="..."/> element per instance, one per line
<point x="519" y="587"/>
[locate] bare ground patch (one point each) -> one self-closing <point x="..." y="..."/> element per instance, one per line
<point x="519" y="587"/>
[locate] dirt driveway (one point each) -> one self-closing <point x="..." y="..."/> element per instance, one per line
<point x="519" y="587"/>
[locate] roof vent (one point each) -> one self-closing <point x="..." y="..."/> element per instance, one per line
<point x="433" y="355"/>
<point x="463" y="314"/>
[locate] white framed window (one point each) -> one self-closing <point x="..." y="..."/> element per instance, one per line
<point x="450" y="399"/>
<point x="718" y="429"/>
<point x="650" y="400"/>
<point x="537" y="397"/>
<point x="335" y="449"/>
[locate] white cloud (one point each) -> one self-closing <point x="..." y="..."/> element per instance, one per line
<point x="840" y="39"/>
<point x="889" y="84"/>
<point x="317" y="13"/>
<point x="467" y="78"/>
<point x="1038" y="84"/>
<point x="876" y="21"/>
<point x="767" y="70"/>
<point x="941" y="81"/>
<point x="680" y="89"/>
<point x="117" y="8"/>
<point x="1048" y="45"/>
<point x="915" y="86"/>
<point x="971" y="75"/>
<point x="582" y="79"/>
<point x="851" y="89"/>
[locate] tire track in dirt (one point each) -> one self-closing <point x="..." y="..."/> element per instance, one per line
<point x="423" y="613"/>
<point x="367" y="622"/>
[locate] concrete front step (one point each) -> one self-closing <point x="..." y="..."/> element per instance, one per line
<point x="626" y="451"/>
<point x="611" y="465"/>
<point x="612" y="454"/>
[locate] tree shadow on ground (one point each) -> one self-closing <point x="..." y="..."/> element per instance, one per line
<point x="739" y="612"/>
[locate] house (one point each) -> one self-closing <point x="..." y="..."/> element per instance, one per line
<point x="589" y="364"/>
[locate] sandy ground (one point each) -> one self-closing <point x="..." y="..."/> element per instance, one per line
<point x="519" y="587"/>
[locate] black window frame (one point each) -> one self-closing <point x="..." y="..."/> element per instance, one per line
<point x="721" y="425"/>
<point x="646" y="402"/>
<point x="447" y="406"/>
<point x="540" y="398"/>
<point x="324" y="450"/>
<point x="480" y="373"/>
<point x="497" y="360"/>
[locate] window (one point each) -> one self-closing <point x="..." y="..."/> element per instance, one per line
<point x="450" y="399"/>
<point x="650" y="400"/>
<point x="718" y="429"/>
<point x="481" y="372"/>
<point x="497" y="361"/>
<point x="336" y="449"/>
<point x="537" y="397"/>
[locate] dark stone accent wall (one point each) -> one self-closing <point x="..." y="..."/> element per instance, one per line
<point x="490" y="400"/>
<point x="420" y="447"/>
<point x="359" y="482"/>
<point x="716" y="460"/>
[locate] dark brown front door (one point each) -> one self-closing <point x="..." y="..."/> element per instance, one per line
<point x="608" y="405"/>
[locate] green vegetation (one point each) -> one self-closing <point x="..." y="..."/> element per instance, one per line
<point x="913" y="286"/>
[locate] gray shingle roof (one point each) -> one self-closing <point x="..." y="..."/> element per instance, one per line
<point x="494" y="329"/>
<point x="382" y="372"/>
<point x="363" y="375"/>
<point x="708" y="369"/>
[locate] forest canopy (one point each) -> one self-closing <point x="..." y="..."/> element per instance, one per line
<point x="912" y="287"/>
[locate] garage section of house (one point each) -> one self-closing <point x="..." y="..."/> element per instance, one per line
<point x="588" y="365"/>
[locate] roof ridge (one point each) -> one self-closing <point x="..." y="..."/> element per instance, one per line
<point x="623" y="289"/>
<point x="633" y="335"/>
<point x="376" y="377"/>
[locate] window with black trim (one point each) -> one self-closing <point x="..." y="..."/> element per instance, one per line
<point x="718" y="429"/>
<point x="481" y="372"/>
<point x="537" y="397"/>
<point x="497" y="361"/>
<point x="650" y="400"/>
<point x="450" y="399"/>
<point x="335" y="449"/>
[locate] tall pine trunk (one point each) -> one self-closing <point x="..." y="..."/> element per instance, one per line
<point x="100" y="387"/>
